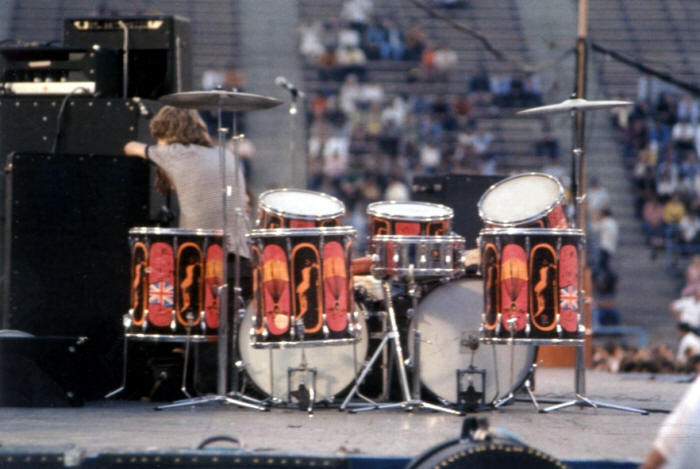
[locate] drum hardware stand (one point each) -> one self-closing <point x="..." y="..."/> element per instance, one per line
<point x="408" y="402"/>
<point x="305" y="395"/>
<point x="469" y="399"/>
<point x="223" y="355"/>
<point x="528" y="379"/>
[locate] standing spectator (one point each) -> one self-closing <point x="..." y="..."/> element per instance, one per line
<point x="310" y="44"/>
<point x="692" y="276"/>
<point x="606" y="229"/>
<point x="653" y="225"/>
<point x="597" y="197"/>
<point x="689" y="227"/>
<point x="676" y="444"/>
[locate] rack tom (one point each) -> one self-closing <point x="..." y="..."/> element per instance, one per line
<point x="298" y="208"/>
<point x="529" y="200"/>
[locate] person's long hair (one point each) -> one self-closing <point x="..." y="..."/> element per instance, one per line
<point x="176" y="125"/>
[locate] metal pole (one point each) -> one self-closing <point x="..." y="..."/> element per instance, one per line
<point x="579" y="154"/>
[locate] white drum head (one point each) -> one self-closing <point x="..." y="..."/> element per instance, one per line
<point x="446" y="318"/>
<point x="520" y="199"/>
<point x="301" y="204"/>
<point x="409" y="210"/>
<point x="336" y="365"/>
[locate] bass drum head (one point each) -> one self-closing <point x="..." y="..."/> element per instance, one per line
<point x="336" y="365"/>
<point x="446" y="318"/>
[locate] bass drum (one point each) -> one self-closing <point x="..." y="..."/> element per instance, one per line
<point x="336" y="365"/>
<point x="448" y="317"/>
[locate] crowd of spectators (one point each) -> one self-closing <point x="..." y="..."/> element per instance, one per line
<point x="661" y="141"/>
<point x="368" y="139"/>
<point x="622" y="358"/>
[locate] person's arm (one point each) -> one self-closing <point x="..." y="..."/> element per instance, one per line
<point x="654" y="460"/>
<point x="135" y="149"/>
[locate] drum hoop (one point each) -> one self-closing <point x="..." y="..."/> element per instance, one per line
<point x="576" y="232"/>
<point x="293" y="232"/>
<point x="156" y="230"/>
<point x="401" y="239"/>
<point x="373" y="209"/>
<point x="267" y="208"/>
<point x="522" y="221"/>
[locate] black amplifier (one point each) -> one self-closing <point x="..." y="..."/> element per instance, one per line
<point x="159" y="49"/>
<point x="60" y="70"/>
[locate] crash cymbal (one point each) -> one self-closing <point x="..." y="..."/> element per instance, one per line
<point x="212" y="100"/>
<point x="574" y="104"/>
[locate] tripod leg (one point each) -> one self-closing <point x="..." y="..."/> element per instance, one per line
<point x="125" y="354"/>
<point x="367" y="367"/>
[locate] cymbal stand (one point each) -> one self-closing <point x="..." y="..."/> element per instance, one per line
<point x="581" y="400"/>
<point x="224" y="365"/>
<point x="408" y="403"/>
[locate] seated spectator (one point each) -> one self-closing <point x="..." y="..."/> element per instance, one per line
<point x="445" y="62"/>
<point x="547" y="145"/>
<point x="532" y="90"/>
<point x="501" y="90"/>
<point x="327" y="63"/>
<point x="674" y="210"/>
<point x="416" y="40"/>
<point x="597" y="197"/>
<point x="392" y="47"/>
<point x="351" y="60"/>
<point x="689" y="227"/>
<point x="692" y="276"/>
<point x="689" y="344"/>
<point x="310" y="44"/>
<point x="686" y="309"/>
<point x="653" y="225"/>
<point x="356" y="13"/>
<point x="683" y="135"/>
<point x="688" y="110"/>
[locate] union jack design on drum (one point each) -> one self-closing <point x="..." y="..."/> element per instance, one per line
<point x="568" y="298"/>
<point x="161" y="293"/>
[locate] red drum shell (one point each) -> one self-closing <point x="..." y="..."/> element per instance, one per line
<point x="174" y="277"/>
<point x="531" y="282"/>
<point x="302" y="286"/>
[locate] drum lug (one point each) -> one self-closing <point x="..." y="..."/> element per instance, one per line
<point x="173" y="322"/>
<point x="527" y="329"/>
<point x="144" y="324"/>
<point x="127" y="319"/>
<point x="202" y="321"/>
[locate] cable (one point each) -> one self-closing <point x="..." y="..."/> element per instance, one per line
<point x="61" y="111"/>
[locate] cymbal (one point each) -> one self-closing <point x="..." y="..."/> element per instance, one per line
<point x="574" y="104"/>
<point x="212" y="100"/>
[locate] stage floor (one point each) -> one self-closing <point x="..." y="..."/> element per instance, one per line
<point x="570" y="434"/>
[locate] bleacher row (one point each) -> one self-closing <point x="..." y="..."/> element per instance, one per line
<point x="514" y="137"/>
<point x="662" y="35"/>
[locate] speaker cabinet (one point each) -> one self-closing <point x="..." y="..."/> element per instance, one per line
<point x="40" y="371"/>
<point x="66" y="262"/>
<point x="461" y="192"/>
<point x="159" y="49"/>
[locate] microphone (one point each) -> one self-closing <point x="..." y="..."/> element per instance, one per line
<point x="282" y="82"/>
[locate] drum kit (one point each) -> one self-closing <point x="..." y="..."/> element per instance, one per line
<point x="304" y="338"/>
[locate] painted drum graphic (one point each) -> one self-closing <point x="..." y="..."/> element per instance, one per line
<point x="531" y="282"/>
<point x="175" y="274"/>
<point x="302" y="286"/>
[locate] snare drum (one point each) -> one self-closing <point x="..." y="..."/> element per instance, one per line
<point x="531" y="278"/>
<point x="298" y="208"/>
<point x="174" y="277"/>
<point x="532" y="200"/>
<point x="302" y="286"/>
<point x="409" y="218"/>
<point x="416" y="256"/>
